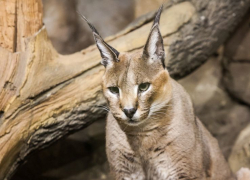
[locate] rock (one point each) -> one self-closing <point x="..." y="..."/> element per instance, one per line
<point x="237" y="47"/>
<point x="243" y="174"/>
<point x="240" y="156"/>
<point x="215" y="108"/>
<point x="237" y="63"/>
<point x="237" y="81"/>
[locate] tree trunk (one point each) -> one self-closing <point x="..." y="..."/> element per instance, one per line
<point x="45" y="96"/>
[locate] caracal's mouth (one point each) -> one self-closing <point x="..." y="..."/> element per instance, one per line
<point x="133" y="122"/>
<point x="130" y="121"/>
<point x="137" y="121"/>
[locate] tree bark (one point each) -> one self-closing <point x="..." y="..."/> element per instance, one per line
<point x="45" y="96"/>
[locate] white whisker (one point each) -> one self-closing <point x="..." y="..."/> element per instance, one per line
<point x="103" y="107"/>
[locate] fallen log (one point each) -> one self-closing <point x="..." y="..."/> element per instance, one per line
<point x="45" y="96"/>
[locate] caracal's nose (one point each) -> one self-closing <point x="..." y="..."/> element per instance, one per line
<point x="129" y="112"/>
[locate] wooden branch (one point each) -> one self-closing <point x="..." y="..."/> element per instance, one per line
<point x="45" y="96"/>
<point x="19" y="20"/>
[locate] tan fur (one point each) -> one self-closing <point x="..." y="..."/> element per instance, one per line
<point x="169" y="144"/>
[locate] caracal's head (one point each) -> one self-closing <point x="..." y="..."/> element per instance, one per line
<point x="136" y="85"/>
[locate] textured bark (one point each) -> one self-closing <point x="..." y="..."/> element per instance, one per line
<point x="45" y="96"/>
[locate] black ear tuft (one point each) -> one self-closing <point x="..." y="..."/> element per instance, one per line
<point x="90" y="25"/>
<point x="154" y="48"/>
<point x="158" y="16"/>
<point x="107" y="52"/>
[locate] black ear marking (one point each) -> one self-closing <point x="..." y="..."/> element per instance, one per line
<point x="154" y="47"/>
<point x="107" y="52"/>
<point x="158" y="16"/>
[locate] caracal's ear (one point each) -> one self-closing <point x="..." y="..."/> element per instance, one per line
<point x="154" y="48"/>
<point x="109" y="54"/>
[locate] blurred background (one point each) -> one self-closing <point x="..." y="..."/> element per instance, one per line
<point x="70" y="34"/>
<point x="220" y="90"/>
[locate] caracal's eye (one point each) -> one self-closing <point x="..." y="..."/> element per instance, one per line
<point x="114" y="90"/>
<point x="143" y="87"/>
